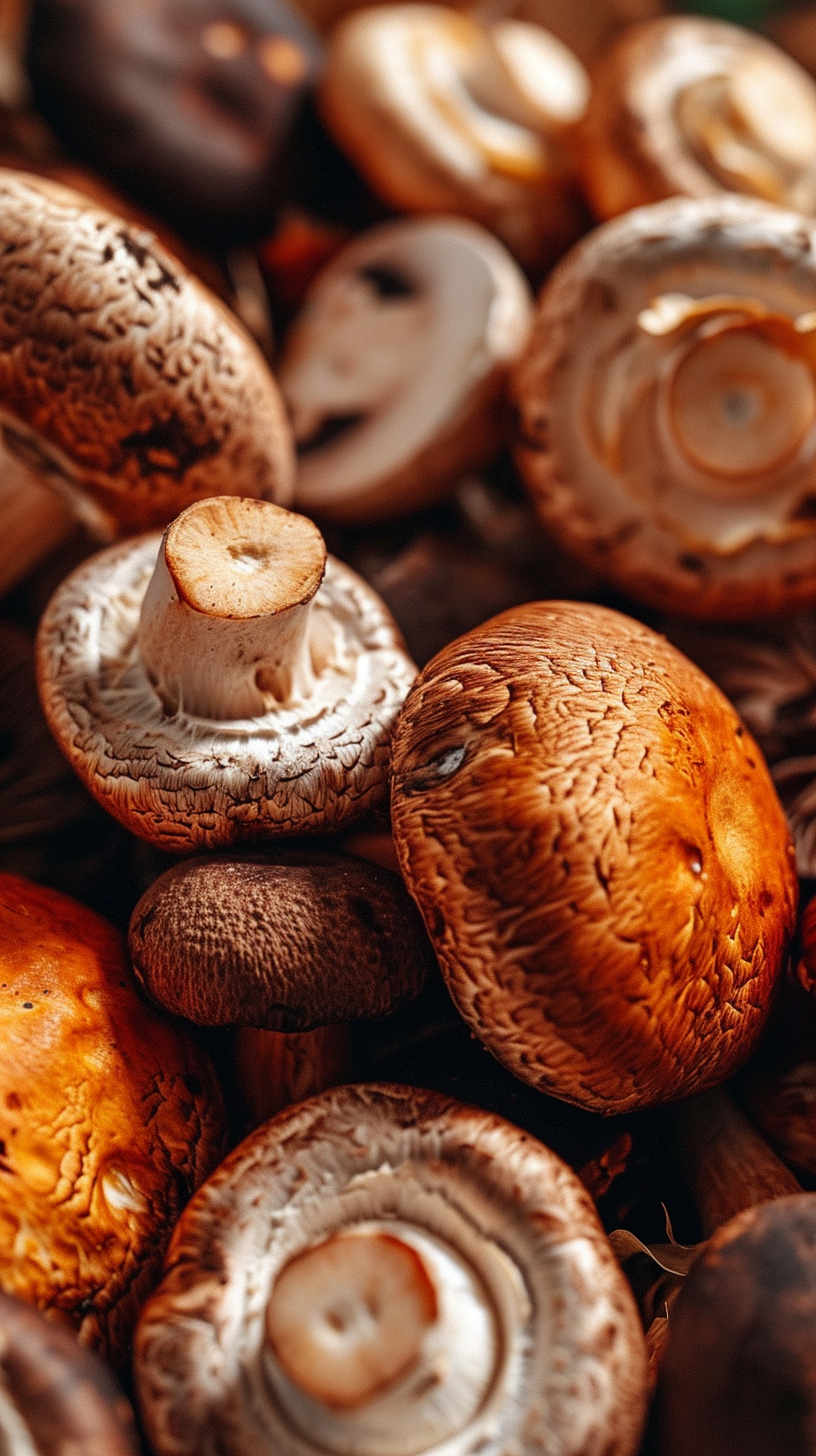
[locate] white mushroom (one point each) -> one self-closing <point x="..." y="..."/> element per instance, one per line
<point x="385" y="1272"/>
<point x="225" y="690"/>
<point x="395" y="371"/>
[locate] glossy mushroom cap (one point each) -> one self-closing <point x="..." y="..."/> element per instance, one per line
<point x="598" y="853"/>
<point x="385" y="1272"/>
<point x="667" y="406"/>
<point x="110" y="1117"/>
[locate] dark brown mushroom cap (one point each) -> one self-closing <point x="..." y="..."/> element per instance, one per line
<point x="60" y="1394"/>
<point x="124" y="382"/>
<point x="309" y="939"/>
<point x="739" y="1373"/>
<point x="597" y="850"/>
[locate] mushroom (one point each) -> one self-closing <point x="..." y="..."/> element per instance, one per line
<point x="597" y="850"/>
<point x="212" y="686"/>
<point x="124" y="384"/>
<point x="273" y="1069"/>
<point x="110" y="1117"/>
<point x="691" y="106"/>
<point x="307" y="940"/>
<point x="33" y="520"/>
<point x="444" y="113"/>
<point x="395" y="371"/>
<point x="667" y="407"/>
<point x="386" y="1272"/>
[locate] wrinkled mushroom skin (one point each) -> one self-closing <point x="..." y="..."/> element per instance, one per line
<point x="124" y="383"/>
<point x="56" y="1398"/>
<point x="110" y="1117"/>
<point x="599" y="855"/>
<point x="667" y="407"/>
<point x="739" y="1377"/>
<point x="517" y="1288"/>
<point x="290" y="946"/>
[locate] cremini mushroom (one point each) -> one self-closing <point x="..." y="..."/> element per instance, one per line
<point x="273" y="1069"/>
<point x="386" y="1272"/>
<point x="110" y="1117"/>
<point x="597" y="850"/>
<point x="667" y="406"/>
<point x="444" y="113"/>
<point x="395" y="371"/>
<point x="124" y="384"/>
<point x="288" y="944"/>
<point x="213" y="685"/>
<point x="691" y="106"/>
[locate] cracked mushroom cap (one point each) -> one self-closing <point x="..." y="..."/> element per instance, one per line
<point x="223" y="682"/>
<point x="110" y="1117"/>
<point x="667" y="406"/>
<point x="382" y="1271"/>
<point x="692" y="107"/>
<point x="124" y="383"/>
<point x="395" y="371"/>
<point x="292" y="945"/>
<point x="597" y="850"/>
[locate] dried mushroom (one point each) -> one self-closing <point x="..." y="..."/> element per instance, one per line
<point x="213" y="685"/>
<point x="667" y="406"/>
<point x="383" y="1271"/>
<point x="598" y="853"/>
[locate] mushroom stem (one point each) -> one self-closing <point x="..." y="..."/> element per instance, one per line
<point x="33" y="521"/>
<point x="728" y="1164"/>
<point x="225" y="625"/>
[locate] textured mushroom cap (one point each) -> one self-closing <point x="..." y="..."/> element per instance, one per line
<point x="57" y="1399"/>
<point x="739" y="1374"/>
<point x="110" y="1117"/>
<point x="124" y="383"/>
<point x="185" y="782"/>
<point x="599" y="444"/>
<point x="599" y="855"/>
<point x="457" y="1184"/>
<point x="312" y="939"/>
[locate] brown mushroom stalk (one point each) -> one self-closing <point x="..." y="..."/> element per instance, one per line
<point x="728" y="1164"/>
<point x="33" y="521"/>
<point x="273" y="1069"/>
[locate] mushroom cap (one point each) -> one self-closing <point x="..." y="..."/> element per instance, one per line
<point x="395" y="371"/>
<point x="57" y="1398"/>
<point x="598" y="853"/>
<point x="184" y="782"/>
<point x="110" y="1117"/>
<point x="738" y="1373"/>
<point x="310" y="939"/>
<point x="526" y="1288"/>
<point x="124" y="383"/>
<point x="667" y="406"/>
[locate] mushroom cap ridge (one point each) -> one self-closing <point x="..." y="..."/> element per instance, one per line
<point x="124" y="382"/>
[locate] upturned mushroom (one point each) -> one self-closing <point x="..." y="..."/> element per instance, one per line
<point x="691" y="106"/>
<point x="110" y="1117"/>
<point x="444" y="113"/>
<point x="223" y="682"/>
<point x="667" y="406"/>
<point x="387" y="1272"/>
<point x="395" y="371"/>
<point x="598" y="853"/>
<point x="124" y="384"/>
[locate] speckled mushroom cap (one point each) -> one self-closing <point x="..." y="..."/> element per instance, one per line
<point x="691" y="106"/>
<point x="110" y="1117"/>
<point x="124" y="383"/>
<point x="476" y="1253"/>
<point x="595" y="844"/>
<point x="667" y="406"/>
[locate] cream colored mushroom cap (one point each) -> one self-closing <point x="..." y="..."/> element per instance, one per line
<point x="124" y="383"/>
<point x="535" y="1347"/>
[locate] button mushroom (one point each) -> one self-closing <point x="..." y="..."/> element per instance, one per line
<point x="225" y="689"/>
<point x="667" y="406"/>
<point x="386" y="1272"/>
<point x="597" y="850"/>
<point x="395" y="371"/>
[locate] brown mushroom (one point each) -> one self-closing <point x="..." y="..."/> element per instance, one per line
<point x="598" y="853"/>
<point x="273" y="1069"/>
<point x="386" y="1271"/>
<point x="212" y="686"/>
<point x="110" y="1116"/>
